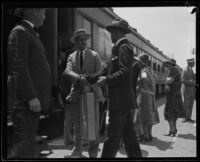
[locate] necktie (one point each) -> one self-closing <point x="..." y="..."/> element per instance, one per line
<point x="81" y="60"/>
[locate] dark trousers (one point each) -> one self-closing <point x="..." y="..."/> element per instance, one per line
<point x="25" y="124"/>
<point x="102" y="118"/>
<point x="188" y="105"/>
<point x="121" y="126"/>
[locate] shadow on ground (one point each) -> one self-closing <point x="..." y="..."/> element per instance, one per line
<point x="161" y="145"/>
<point x="187" y="136"/>
<point x="123" y="151"/>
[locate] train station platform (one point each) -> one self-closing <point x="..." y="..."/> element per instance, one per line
<point x="183" y="145"/>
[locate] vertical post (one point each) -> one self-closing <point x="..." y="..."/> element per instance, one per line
<point x="48" y="35"/>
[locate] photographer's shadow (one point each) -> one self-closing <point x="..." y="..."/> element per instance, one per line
<point x="123" y="151"/>
<point x="161" y="145"/>
<point x="187" y="136"/>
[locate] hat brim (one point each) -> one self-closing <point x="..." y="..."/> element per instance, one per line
<point x="73" y="38"/>
<point x="111" y="27"/>
<point x="137" y="59"/>
<point x="168" y="62"/>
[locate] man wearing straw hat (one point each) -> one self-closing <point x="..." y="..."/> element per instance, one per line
<point x="188" y="89"/>
<point x="81" y="64"/>
<point x="121" y="94"/>
<point x="31" y="84"/>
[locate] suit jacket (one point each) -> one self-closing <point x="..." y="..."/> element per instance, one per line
<point x="120" y="79"/>
<point x="26" y="59"/>
<point x="187" y="86"/>
<point x="91" y="65"/>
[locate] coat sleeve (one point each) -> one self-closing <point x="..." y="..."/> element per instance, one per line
<point x="18" y="50"/>
<point x="70" y="72"/>
<point x="125" y="64"/>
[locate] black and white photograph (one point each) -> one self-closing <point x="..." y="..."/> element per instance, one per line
<point x="96" y="82"/>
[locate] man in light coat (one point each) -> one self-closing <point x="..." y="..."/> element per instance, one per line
<point x="82" y="63"/>
<point x="188" y="89"/>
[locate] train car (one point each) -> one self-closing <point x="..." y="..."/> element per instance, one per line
<point x="56" y="32"/>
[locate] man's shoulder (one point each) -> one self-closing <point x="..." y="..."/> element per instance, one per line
<point x="19" y="28"/>
<point x="73" y="54"/>
<point x="93" y="53"/>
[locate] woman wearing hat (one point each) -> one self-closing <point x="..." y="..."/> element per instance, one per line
<point x="146" y="99"/>
<point x="174" y="104"/>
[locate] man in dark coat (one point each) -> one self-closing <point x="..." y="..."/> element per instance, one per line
<point x="188" y="89"/>
<point x="121" y="95"/>
<point x="30" y="75"/>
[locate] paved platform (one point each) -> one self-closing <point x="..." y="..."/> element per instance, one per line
<point x="183" y="145"/>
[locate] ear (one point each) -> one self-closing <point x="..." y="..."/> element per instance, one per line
<point x="34" y="11"/>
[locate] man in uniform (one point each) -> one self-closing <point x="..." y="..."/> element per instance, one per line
<point x="121" y="94"/>
<point x="31" y="81"/>
<point x="188" y="89"/>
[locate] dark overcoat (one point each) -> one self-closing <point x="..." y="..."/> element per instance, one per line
<point x="120" y="79"/>
<point x="27" y="60"/>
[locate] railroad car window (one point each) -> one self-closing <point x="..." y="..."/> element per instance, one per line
<point x="159" y="68"/>
<point x="87" y="25"/>
<point x="135" y="50"/>
<point x="104" y="44"/>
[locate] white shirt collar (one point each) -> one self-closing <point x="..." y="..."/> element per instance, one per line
<point x="30" y="23"/>
<point x="82" y="51"/>
<point x="119" y="40"/>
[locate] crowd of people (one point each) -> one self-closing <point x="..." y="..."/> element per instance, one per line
<point x="125" y="88"/>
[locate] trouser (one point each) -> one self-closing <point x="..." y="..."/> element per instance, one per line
<point x="68" y="124"/>
<point x="25" y="124"/>
<point x="102" y="117"/>
<point x="188" y="105"/>
<point x="75" y="117"/>
<point x="121" y="126"/>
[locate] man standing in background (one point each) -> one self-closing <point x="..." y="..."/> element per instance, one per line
<point x="188" y="89"/>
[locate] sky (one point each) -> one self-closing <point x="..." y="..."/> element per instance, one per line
<point x="171" y="29"/>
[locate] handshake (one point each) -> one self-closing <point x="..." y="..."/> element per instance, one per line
<point x="92" y="79"/>
<point x="100" y="80"/>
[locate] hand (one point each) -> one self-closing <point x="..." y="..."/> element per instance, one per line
<point x="135" y="115"/>
<point x="60" y="100"/>
<point x="193" y="82"/>
<point x="34" y="105"/>
<point x="167" y="88"/>
<point x="83" y="80"/>
<point x="101" y="81"/>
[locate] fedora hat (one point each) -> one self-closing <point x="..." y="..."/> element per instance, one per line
<point x="171" y="61"/>
<point x="78" y="33"/>
<point x="119" y="24"/>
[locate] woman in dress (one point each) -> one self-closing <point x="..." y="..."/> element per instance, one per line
<point x="174" y="104"/>
<point x="146" y="99"/>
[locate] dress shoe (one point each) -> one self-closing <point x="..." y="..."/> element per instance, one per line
<point x="74" y="155"/>
<point x="69" y="143"/>
<point x="171" y="133"/>
<point x="144" y="139"/>
<point x="185" y="120"/>
<point x="191" y="121"/>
